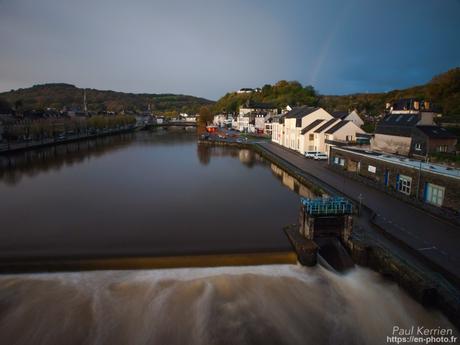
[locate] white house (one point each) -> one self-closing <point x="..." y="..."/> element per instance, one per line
<point x="312" y="129"/>
<point x="343" y="132"/>
<point x="349" y="116"/>
<point x="219" y="120"/>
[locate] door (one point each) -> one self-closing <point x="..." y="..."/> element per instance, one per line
<point x="387" y="177"/>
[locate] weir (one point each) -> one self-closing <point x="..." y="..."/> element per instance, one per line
<point x="325" y="224"/>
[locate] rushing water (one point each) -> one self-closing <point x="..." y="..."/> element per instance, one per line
<point x="145" y="193"/>
<point x="240" y="305"/>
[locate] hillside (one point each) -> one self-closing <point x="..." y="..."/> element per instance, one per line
<point x="443" y="91"/>
<point x="278" y="95"/>
<point x="59" y="96"/>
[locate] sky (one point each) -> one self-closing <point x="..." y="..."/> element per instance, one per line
<point x="209" y="47"/>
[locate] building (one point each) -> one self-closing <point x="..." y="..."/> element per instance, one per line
<point x="432" y="184"/>
<point x="254" y="117"/>
<point x="344" y="132"/>
<point x="408" y="128"/>
<point x="349" y="116"/>
<point x="249" y="90"/>
<point x="219" y="120"/>
<point x="312" y="129"/>
<point x="431" y="139"/>
<point x="223" y="120"/>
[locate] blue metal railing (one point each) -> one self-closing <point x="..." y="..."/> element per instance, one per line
<point x="327" y="206"/>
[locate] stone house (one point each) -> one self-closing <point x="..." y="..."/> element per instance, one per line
<point x="432" y="184"/>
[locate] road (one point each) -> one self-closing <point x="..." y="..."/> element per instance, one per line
<point x="434" y="238"/>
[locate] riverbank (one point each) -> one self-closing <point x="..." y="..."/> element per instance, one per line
<point x="24" y="146"/>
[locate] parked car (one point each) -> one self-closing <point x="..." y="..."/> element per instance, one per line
<point x="319" y="156"/>
<point x="311" y="154"/>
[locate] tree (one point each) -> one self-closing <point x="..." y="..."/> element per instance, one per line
<point x="205" y="116"/>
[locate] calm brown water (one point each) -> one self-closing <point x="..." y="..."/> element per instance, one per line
<point x="146" y="193"/>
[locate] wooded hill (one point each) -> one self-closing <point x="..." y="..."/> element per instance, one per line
<point x="60" y="95"/>
<point x="443" y="91"/>
<point x="279" y="95"/>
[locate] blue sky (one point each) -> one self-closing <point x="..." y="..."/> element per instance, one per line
<point x="206" y="48"/>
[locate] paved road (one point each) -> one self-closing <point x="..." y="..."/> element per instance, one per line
<point x="434" y="238"/>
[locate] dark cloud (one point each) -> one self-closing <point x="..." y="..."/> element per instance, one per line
<point x="207" y="48"/>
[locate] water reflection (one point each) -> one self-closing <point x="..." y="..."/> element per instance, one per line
<point x="13" y="167"/>
<point x="247" y="157"/>
<point x="292" y="183"/>
<point x="145" y="193"/>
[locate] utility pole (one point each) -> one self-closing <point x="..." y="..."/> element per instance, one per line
<point x="418" y="180"/>
<point x="360" y="198"/>
<point x="85" y="107"/>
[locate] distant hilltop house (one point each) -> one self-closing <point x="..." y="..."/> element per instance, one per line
<point x="352" y="116"/>
<point x="249" y="90"/>
<point x="408" y="128"/>
<point x="306" y="129"/>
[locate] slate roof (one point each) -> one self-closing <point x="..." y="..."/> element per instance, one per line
<point x="326" y="125"/>
<point x="336" y="127"/>
<point x="340" y="114"/>
<point x="311" y="126"/>
<point x="300" y="112"/>
<point x="397" y="124"/>
<point x="436" y="132"/>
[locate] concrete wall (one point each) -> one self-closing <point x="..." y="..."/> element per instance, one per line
<point x="391" y="144"/>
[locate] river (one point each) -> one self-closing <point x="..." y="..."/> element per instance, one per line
<point x="153" y="193"/>
<point x="145" y="193"/>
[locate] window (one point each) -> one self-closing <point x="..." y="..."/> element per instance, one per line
<point x="404" y="184"/>
<point x="339" y="161"/>
<point x="418" y="147"/>
<point x="434" y="194"/>
<point x="311" y="137"/>
<point x="443" y="148"/>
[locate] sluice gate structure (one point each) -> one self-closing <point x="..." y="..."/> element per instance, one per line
<point x="325" y="224"/>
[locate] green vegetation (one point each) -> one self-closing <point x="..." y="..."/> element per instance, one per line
<point x="279" y="95"/>
<point x="205" y="116"/>
<point x="50" y="128"/>
<point x="443" y="91"/>
<point x="58" y="96"/>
